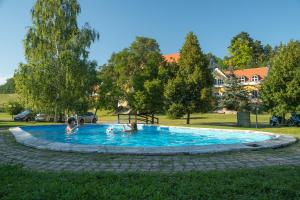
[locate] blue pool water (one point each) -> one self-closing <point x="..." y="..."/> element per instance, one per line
<point x="147" y="136"/>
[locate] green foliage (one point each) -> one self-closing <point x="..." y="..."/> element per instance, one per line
<point x="135" y="72"/>
<point x="215" y="62"/>
<point x="109" y="93"/>
<point x="176" y="111"/>
<point x="14" y="108"/>
<point x="281" y="89"/>
<point x="58" y="74"/>
<point x="235" y="97"/>
<point x="8" y="87"/>
<point x="244" y="52"/>
<point x="150" y="100"/>
<point x="192" y="86"/>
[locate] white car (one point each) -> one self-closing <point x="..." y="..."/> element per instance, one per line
<point x="87" y="118"/>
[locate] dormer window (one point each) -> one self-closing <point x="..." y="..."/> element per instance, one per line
<point x="243" y="79"/>
<point x="254" y="78"/>
<point x="219" y="82"/>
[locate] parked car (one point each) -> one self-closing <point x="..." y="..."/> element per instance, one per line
<point x="87" y="118"/>
<point x="41" y="117"/>
<point x="26" y="115"/>
<point x="294" y="120"/>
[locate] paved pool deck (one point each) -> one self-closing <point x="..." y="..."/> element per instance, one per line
<point x="12" y="152"/>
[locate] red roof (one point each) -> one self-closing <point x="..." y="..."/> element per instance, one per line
<point x="248" y="73"/>
<point x="174" y="57"/>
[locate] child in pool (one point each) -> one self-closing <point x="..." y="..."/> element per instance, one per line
<point x="133" y="128"/>
<point x="71" y="125"/>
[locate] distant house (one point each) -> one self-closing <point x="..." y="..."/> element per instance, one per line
<point x="251" y="78"/>
<point x="174" y="57"/>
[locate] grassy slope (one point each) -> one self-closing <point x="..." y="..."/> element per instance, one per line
<point x="264" y="183"/>
<point x="5" y="98"/>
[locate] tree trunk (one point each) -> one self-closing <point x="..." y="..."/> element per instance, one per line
<point x="188" y="118"/>
<point x="152" y="118"/>
<point x="95" y="113"/>
<point x="283" y="118"/>
<point x="55" y="114"/>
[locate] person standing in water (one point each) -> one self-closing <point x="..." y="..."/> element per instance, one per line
<point x="71" y="125"/>
<point x="132" y="126"/>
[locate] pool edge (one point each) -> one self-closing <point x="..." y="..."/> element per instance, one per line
<point x="27" y="139"/>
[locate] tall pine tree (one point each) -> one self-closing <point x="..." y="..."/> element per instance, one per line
<point x="190" y="91"/>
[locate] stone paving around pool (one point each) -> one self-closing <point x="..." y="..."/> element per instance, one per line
<point x="43" y="160"/>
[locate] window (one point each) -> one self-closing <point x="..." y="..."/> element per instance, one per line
<point x="254" y="78"/>
<point x="243" y="79"/>
<point x="219" y="82"/>
<point x="254" y="94"/>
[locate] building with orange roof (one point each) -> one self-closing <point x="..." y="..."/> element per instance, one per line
<point x="251" y="78"/>
<point x="174" y="57"/>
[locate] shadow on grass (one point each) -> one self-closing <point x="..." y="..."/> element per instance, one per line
<point x="230" y="124"/>
<point x="195" y="118"/>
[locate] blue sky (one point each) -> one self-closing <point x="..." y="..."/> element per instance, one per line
<point x="215" y="22"/>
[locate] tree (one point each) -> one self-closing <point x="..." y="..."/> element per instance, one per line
<point x="109" y="93"/>
<point x="268" y="52"/>
<point x="234" y="97"/>
<point x="58" y="77"/>
<point x="280" y="91"/>
<point x="241" y="51"/>
<point x="8" y="87"/>
<point x="136" y="74"/>
<point x="191" y="89"/>
<point x="13" y="108"/>
<point x="150" y="100"/>
<point x="244" y="52"/>
<point x="215" y="62"/>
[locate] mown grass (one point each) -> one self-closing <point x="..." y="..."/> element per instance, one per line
<point x="5" y="98"/>
<point x="263" y="183"/>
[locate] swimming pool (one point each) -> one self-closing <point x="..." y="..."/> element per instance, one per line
<point x="149" y="139"/>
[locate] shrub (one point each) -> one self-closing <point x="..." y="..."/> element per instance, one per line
<point x="176" y="111"/>
<point x="14" y="108"/>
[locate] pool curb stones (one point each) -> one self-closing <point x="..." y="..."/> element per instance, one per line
<point x="27" y="139"/>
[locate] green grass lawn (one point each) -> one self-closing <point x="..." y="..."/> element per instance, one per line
<point x="263" y="183"/>
<point x="5" y="98"/>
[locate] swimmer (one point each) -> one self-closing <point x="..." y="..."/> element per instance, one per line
<point x="133" y="128"/>
<point x="71" y="125"/>
<point x="109" y="130"/>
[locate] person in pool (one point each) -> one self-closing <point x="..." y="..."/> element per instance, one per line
<point x="132" y="126"/>
<point x="71" y="125"/>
